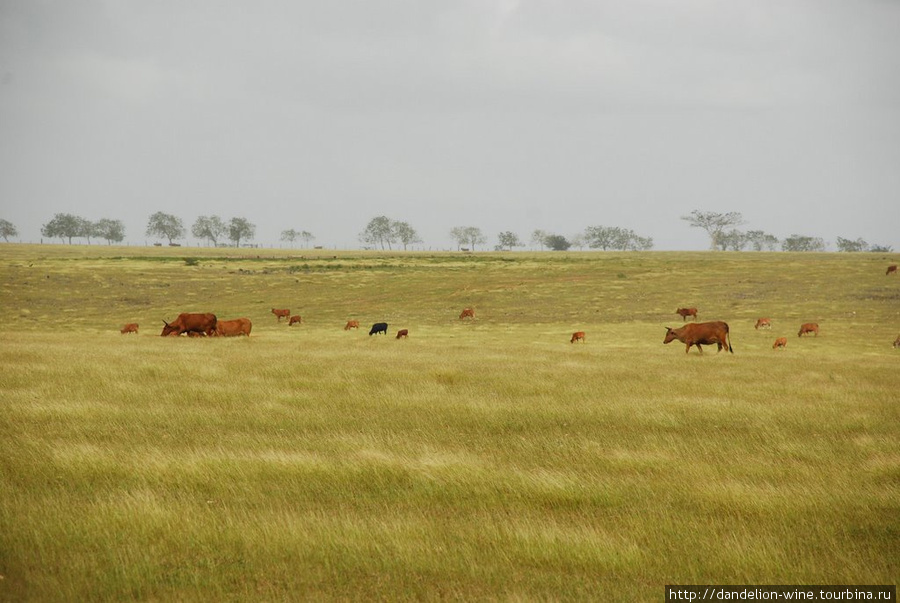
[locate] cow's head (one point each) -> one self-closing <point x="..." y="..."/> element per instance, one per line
<point x="671" y="335"/>
<point x="168" y="330"/>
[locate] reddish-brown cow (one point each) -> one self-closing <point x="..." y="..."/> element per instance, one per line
<point x="402" y="333"/>
<point x="351" y="324"/>
<point x="234" y="328"/>
<point x="891" y="269"/>
<point x="577" y="336"/>
<point x="808" y="327"/>
<point x="131" y="327"/>
<point x="763" y="323"/>
<point x="897" y="342"/>
<point x="781" y="342"/>
<point x="201" y="324"/>
<point x="467" y="313"/>
<point x="685" y="312"/>
<point x="705" y="333"/>
<point x="281" y="314"/>
<point x="295" y="319"/>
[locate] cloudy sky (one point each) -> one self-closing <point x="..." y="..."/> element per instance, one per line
<point x="501" y="114"/>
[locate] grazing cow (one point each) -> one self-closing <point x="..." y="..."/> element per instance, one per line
<point x="351" y="324"/>
<point x="892" y="268"/>
<point x="201" y="324"/>
<point x="705" y="333"/>
<point x="467" y="313"/>
<point x="234" y="328"/>
<point x="808" y="327"/>
<point x="781" y="342"/>
<point x="131" y="327"/>
<point x="378" y="327"/>
<point x="295" y="319"/>
<point x="402" y="333"/>
<point x="763" y="323"/>
<point x="281" y="314"/>
<point x="577" y="336"/>
<point x="897" y="342"/>
<point x="685" y="312"/>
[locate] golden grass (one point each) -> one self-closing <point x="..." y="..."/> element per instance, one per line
<point x="483" y="459"/>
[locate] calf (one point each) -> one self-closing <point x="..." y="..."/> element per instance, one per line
<point x="808" y="327"/>
<point x="705" y="333"/>
<point x="467" y="313"/>
<point x="131" y="327"/>
<point x="763" y="323"/>
<point x="891" y="269"/>
<point x="378" y="327"/>
<point x="295" y="319"/>
<point x="403" y="333"/>
<point x="577" y="336"/>
<point x="897" y="342"/>
<point x="781" y="342"/>
<point x="685" y="312"/>
<point x="351" y="324"/>
<point x="281" y="314"/>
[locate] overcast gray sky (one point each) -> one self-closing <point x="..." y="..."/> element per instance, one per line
<point x="501" y="114"/>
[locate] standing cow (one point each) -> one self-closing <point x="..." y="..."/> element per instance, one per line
<point x="281" y="313"/>
<point x="763" y="323"/>
<point x="378" y="327"/>
<point x="467" y="313"/>
<point x="808" y="327"/>
<point x="577" y="336"/>
<point x="703" y="333"/>
<point x="892" y="269"/>
<point x="234" y="328"/>
<point x="295" y="319"/>
<point x="897" y="342"/>
<point x="192" y="324"/>
<point x="131" y="327"/>
<point x="685" y="312"/>
<point x="351" y="324"/>
<point x="781" y="342"/>
<point x="403" y="334"/>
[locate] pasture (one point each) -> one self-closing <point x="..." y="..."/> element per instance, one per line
<point x="481" y="459"/>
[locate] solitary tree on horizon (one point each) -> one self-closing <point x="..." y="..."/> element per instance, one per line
<point x="165" y="225"/>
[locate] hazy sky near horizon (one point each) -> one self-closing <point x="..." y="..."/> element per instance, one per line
<point x="501" y="114"/>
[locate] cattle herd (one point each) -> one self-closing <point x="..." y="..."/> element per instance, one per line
<point x="693" y="334"/>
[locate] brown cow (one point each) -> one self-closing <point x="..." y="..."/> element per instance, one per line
<point x="351" y="324"/>
<point x="706" y="333"/>
<point x="234" y="328"/>
<point x="281" y="314"/>
<point x="467" y="313"/>
<point x="577" y="336"/>
<point x="201" y="324"/>
<point x="781" y="342"/>
<point x="892" y="268"/>
<point x="897" y="342"/>
<point x="131" y="327"/>
<point x="808" y="327"/>
<point x="295" y="318"/>
<point x="763" y="323"/>
<point x="403" y="333"/>
<point x="685" y="312"/>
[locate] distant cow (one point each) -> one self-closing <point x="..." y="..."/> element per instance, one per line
<point x="351" y="324"/>
<point x="201" y="324"/>
<point x="402" y="333"/>
<point x="295" y="319"/>
<point x="234" y="328"/>
<point x="131" y="327"/>
<point x="685" y="312"/>
<point x="281" y="314"/>
<point x="763" y="323"/>
<point x="891" y="269"/>
<point x="702" y="333"/>
<point x="378" y="327"/>
<point x="467" y="313"/>
<point x="897" y="342"/>
<point x="577" y="336"/>
<point x="781" y="342"/>
<point x="808" y="327"/>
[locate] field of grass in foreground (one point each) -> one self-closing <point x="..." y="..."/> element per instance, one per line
<point x="489" y="459"/>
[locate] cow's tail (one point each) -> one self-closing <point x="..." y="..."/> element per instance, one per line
<point x="728" y="339"/>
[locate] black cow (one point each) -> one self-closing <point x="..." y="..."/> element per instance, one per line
<point x="378" y="327"/>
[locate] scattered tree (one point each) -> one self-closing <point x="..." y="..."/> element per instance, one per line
<point x="733" y="240"/>
<point x="802" y="243"/>
<point x="87" y="229"/>
<point x="211" y="228"/>
<point x="378" y="232"/>
<point x="240" y="228"/>
<point x="850" y="246"/>
<point x="7" y="229"/>
<point x="881" y="249"/>
<point x="538" y="237"/>
<point x="403" y="232"/>
<point x="557" y="242"/>
<point x="508" y="240"/>
<point x="760" y="240"/>
<point x="64" y="226"/>
<point x="165" y="225"/>
<point x="111" y="230"/>
<point x="714" y="223"/>
<point x="290" y="236"/>
<point x="623" y="239"/>
<point x="468" y="235"/>
<point x="307" y="237"/>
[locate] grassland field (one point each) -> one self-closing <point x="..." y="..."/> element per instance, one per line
<point x="476" y="460"/>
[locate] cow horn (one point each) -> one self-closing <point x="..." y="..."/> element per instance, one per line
<point x="165" y="323"/>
